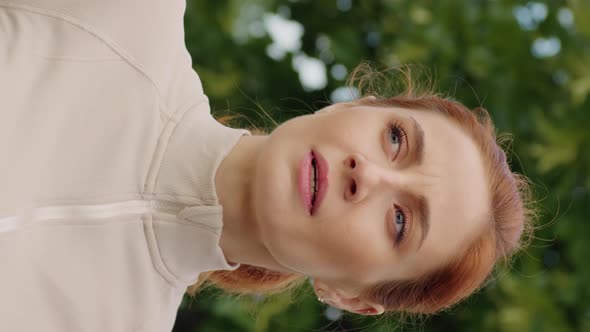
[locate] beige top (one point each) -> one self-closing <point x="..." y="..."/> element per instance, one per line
<point x="108" y="209"/>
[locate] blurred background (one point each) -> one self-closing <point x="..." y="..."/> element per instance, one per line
<point x="528" y="63"/>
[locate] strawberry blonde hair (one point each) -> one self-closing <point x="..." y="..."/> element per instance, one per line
<point x="508" y="223"/>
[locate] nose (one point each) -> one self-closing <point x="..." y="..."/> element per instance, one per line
<point x="363" y="177"/>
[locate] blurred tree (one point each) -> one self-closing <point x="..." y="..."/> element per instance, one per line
<point x="528" y="63"/>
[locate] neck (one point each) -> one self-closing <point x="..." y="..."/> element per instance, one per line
<point x="240" y="238"/>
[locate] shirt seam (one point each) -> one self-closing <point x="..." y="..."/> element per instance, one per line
<point x="154" y="251"/>
<point x="162" y="148"/>
<point x="102" y="38"/>
<point x="147" y="196"/>
<point x="146" y="219"/>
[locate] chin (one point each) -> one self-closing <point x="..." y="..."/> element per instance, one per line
<point x="270" y="197"/>
<point x="276" y="204"/>
<point x="276" y="213"/>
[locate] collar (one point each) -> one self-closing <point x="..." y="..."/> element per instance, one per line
<point x="193" y="145"/>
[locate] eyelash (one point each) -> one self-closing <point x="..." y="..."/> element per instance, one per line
<point x="401" y="236"/>
<point x="396" y="128"/>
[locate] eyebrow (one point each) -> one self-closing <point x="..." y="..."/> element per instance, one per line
<point x="418" y="140"/>
<point x="420" y="201"/>
<point x="423" y="216"/>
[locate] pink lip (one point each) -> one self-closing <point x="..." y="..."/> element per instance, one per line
<point x="304" y="185"/>
<point x="323" y="170"/>
<point x="305" y="190"/>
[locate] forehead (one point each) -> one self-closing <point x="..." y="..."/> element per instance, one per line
<point x="453" y="180"/>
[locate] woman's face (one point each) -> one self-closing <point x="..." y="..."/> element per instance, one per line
<point x="392" y="210"/>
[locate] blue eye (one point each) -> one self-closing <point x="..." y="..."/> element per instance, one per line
<point x="400" y="225"/>
<point x="396" y="136"/>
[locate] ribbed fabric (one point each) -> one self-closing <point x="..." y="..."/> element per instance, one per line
<point x="108" y="208"/>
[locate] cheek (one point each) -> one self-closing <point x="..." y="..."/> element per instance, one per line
<point x="275" y="190"/>
<point x="356" y="244"/>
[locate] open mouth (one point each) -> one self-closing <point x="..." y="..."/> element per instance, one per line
<point x="314" y="181"/>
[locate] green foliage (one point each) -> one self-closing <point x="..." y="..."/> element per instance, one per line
<point x="482" y="53"/>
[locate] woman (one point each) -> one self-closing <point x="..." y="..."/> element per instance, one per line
<point x="413" y="205"/>
<point x="120" y="190"/>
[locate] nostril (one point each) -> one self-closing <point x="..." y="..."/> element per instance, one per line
<point x="353" y="187"/>
<point x="352" y="163"/>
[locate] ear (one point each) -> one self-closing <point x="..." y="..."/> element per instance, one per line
<point x="349" y="301"/>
